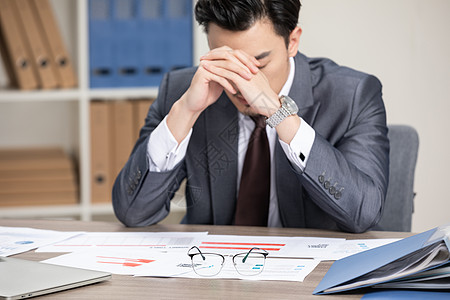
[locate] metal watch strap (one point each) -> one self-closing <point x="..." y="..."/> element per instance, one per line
<point x="278" y="117"/>
<point x="288" y="108"/>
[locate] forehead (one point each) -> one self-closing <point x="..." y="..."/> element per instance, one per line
<point x="259" y="38"/>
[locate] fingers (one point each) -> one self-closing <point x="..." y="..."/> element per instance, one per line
<point x="211" y="76"/>
<point x="232" y="69"/>
<point x="239" y="57"/>
<point x="216" y="68"/>
<point x="250" y="61"/>
<point x="227" y="65"/>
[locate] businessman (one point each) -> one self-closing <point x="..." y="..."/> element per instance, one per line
<point x="264" y="135"/>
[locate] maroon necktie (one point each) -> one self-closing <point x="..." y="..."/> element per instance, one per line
<point x="252" y="208"/>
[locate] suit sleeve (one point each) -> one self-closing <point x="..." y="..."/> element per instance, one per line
<point x="141" y="197"/>
<point x="349" y="179"/>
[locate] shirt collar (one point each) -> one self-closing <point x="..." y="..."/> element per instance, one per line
<point x="288" y="84"/>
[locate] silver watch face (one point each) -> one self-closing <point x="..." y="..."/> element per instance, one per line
<point x="289" y="104"/>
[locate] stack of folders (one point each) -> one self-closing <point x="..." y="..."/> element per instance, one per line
<point x="41" y="176"/>
<point x="115" y="129"/>
<point x="421" y="261"/>
<point x="32" y="48"/>
<point x="134" y="42"/>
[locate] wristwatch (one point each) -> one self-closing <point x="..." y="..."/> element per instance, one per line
<point x="288" y="108"/>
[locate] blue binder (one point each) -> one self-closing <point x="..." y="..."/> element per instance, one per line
<point x="126" y="43"/>
<point x="135" y="42"/>
<point x="101" y="50"/>
<point x="179" y="24"/>
<point x="406" y="295"/>
<point x="166" y="32"/>
<point x="151" y="16"/>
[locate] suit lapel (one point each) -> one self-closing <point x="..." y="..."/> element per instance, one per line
<point x="222" y="145"/>
<point x="301" y="90"/>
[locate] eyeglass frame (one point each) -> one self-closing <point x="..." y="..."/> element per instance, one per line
<point x="191" y="255"/>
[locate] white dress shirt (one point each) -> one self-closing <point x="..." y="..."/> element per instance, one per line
<point x="164" y="153"/>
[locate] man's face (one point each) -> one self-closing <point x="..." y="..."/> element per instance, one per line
<point x="264" y="44"/>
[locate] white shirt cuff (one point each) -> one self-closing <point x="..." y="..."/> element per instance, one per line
<point x="163" y="150"/>
<point x="298" y="150"/>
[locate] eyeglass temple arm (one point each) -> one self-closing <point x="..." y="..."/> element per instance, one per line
<point x="195" y="247"/>
<point x="265" y="253"/>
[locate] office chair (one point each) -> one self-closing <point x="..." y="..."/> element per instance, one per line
<point x="399" y="203"/>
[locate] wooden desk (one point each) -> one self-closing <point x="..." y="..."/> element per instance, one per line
<point x="128" y="287"/>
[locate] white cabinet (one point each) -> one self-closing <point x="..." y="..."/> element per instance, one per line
<point x="61" y="117"/>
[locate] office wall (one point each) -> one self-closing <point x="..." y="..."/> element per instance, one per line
<point x="406" y="44"/>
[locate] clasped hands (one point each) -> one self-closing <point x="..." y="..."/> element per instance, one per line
<point x="238" y="74"/>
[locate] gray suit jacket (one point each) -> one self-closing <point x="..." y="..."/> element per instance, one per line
<point x="342" y="187"/>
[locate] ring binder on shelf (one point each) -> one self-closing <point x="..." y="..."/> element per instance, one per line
<point x="134" y="42"/>
<point x="15" y="53"/>
<point x="35" y="39"/>
<point x="101" y="50"/>
<point x="140" y="113"/>
<point x="153" y="54"/>
<point x="126" y="43"/>
<point x="49" y="28"/>
<point x="179" y="42"/>
<point x="122" y="134"/>
<point x="101" y="152"/>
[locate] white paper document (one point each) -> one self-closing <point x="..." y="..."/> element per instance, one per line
<point x="350" y="247"/>
<point x="164" y="241"/>
<point x="164" y="254"/>
<point x="283" y="269"/>
<point x="315" y="247"/>
<point x="334" y="249"/>
<point x="277" y="246"/>
<point x="113" y="261"/>
<point x="14" y="240"/>
<point x="177" y="264"/>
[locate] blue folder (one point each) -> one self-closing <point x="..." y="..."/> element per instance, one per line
<point x="135" y="42"/>
<point x="406" y="295"/>
<point x="357" y="265"/>
<point x="166" y="31"/>
<point x="101" y="48"/>
<point x="179" y="31"/>
<point x="126" y="43"/>
<point x="152" y="28"/>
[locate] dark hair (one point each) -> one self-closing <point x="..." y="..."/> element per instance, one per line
<point x="240" y="15"/>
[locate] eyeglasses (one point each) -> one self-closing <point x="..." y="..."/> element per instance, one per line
<point x="210" y="264"/>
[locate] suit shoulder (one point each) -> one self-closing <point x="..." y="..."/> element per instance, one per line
<point x="175" y="83"/>
<point x="327" y="69"/>
<point x="185" y="74"/>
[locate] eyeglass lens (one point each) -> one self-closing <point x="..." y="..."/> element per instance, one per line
<point x="208" y="264"/>
<point x="252" y="265"/>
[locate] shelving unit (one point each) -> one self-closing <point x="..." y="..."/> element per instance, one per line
<point x="81" y="96"/>
<point x="10" y="96"/>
